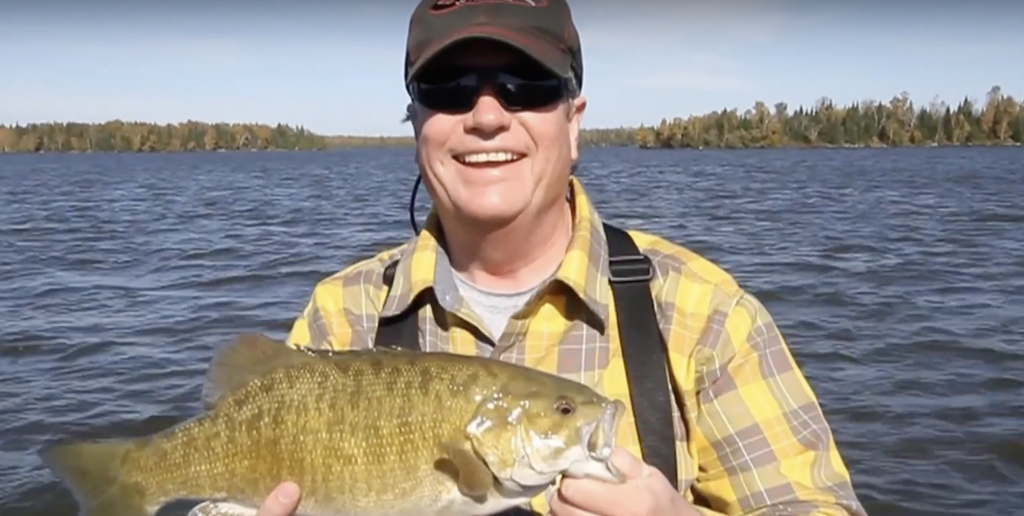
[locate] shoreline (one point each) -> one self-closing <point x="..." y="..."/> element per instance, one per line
<point x="794" y="147"/>
<point x="998" y="121"/>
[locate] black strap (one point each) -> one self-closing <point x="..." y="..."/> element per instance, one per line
<point x="643" y="351"/>
<point x="401" y="329"/>
<point x="643" y="347"/>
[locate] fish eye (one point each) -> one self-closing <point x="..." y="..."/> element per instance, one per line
<point x="565" y="407"/>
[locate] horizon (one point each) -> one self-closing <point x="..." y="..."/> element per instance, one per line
<point x="336" y="69"/>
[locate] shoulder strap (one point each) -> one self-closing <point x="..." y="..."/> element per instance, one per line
<point x="400" y="329"/>
<point x="643" y="350"/>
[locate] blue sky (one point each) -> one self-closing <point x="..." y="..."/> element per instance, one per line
<point x="335" y="66"/>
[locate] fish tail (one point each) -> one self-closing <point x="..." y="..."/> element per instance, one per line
<point x="93" y="471"/>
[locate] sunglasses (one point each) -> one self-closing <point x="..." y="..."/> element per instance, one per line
<point x="455" y="90"/>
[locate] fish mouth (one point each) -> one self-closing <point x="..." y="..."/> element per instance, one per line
<point x="599" y="437"/>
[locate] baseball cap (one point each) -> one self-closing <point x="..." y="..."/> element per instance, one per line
<point x="542" y="29"/>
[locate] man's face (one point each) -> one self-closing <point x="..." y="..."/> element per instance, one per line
<point x="489" y="165"/>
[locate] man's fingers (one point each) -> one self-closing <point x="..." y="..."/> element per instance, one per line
<point x="627" y="463"/>
<point x="559" y="506"/>
<point x="594" y="495"/>
<point x="282" y="501"/>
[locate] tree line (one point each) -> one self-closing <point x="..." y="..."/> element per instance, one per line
<point x="999" y="120"/>
<point x="127" y="136"/>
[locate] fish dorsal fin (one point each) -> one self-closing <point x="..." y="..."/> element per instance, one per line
<point x="390" y="348"/>
<point x="248" y="357"/>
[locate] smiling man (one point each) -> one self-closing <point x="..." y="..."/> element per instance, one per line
<point x="515" y="263"/>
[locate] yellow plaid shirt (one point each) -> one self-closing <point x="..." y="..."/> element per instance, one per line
<point x="751" y="437"/>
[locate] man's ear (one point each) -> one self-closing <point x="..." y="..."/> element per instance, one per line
<point x="576" y="108"/>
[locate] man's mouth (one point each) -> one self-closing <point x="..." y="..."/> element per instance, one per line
<point x="488" y="158"/>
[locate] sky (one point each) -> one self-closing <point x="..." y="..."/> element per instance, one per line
<point x="335" y="66"/>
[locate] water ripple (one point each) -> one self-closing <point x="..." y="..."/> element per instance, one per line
<point x="896" y="275"/>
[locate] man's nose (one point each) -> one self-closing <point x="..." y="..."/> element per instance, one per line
<point x="488" y="115"/>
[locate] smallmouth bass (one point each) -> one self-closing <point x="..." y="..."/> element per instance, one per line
<point x="377" y="432"/>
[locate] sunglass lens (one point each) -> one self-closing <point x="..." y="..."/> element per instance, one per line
<point x="525" y="94"/>
<point x="456" y="95"/>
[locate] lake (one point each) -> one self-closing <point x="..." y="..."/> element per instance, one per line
<point x="896" y="275"/>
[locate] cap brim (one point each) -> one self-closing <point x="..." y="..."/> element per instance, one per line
<point x="549" y="55"/>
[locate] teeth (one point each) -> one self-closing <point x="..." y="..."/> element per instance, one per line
<point x="488" y="157"/>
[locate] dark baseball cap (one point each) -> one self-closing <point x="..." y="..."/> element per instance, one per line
<point x="542" y="29"/>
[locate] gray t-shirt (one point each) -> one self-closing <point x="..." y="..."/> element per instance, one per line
<point x="495" y="308"/>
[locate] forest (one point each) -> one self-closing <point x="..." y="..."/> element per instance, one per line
<point x="998" y="120"/>
<point x="900" y="122"/>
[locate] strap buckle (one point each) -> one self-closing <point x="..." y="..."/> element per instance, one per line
<point x="630" y="269"/>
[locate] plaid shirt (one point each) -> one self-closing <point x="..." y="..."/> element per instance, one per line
<point x="751" y="437"/>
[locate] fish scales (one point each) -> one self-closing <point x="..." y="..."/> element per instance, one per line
<point x="334" y="451"/>
<point x="363" y="433"/>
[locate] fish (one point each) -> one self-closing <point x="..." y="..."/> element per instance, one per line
<point x="380" y="431"/>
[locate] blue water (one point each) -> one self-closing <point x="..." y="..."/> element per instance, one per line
<point x="896" y="275"/>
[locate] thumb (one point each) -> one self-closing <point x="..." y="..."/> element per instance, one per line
<point x="628" y="464"/>
<point x="282" y="501"/>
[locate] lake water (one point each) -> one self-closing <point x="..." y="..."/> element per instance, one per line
<point x="897" y="276"/>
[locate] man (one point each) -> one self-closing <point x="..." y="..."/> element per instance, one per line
<point x="513" y="260"/>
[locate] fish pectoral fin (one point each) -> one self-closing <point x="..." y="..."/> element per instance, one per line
<point x="248" y="357"/>
<point x="474" y="478"/>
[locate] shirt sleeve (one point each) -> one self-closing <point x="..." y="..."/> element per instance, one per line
<point x="763" y="444"/>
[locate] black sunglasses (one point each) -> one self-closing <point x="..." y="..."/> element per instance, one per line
<point x="455" y="89"/>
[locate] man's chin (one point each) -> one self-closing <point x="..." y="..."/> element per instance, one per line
<point x="489" y="215"/>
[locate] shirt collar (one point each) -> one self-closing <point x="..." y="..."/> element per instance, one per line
<point x="423" y="263"/>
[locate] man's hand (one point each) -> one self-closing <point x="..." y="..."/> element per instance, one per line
<point x="282" y="501"/>
<point x="646" y="492"/>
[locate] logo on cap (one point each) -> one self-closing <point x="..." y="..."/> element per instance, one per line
<point x="450" y="5"/>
